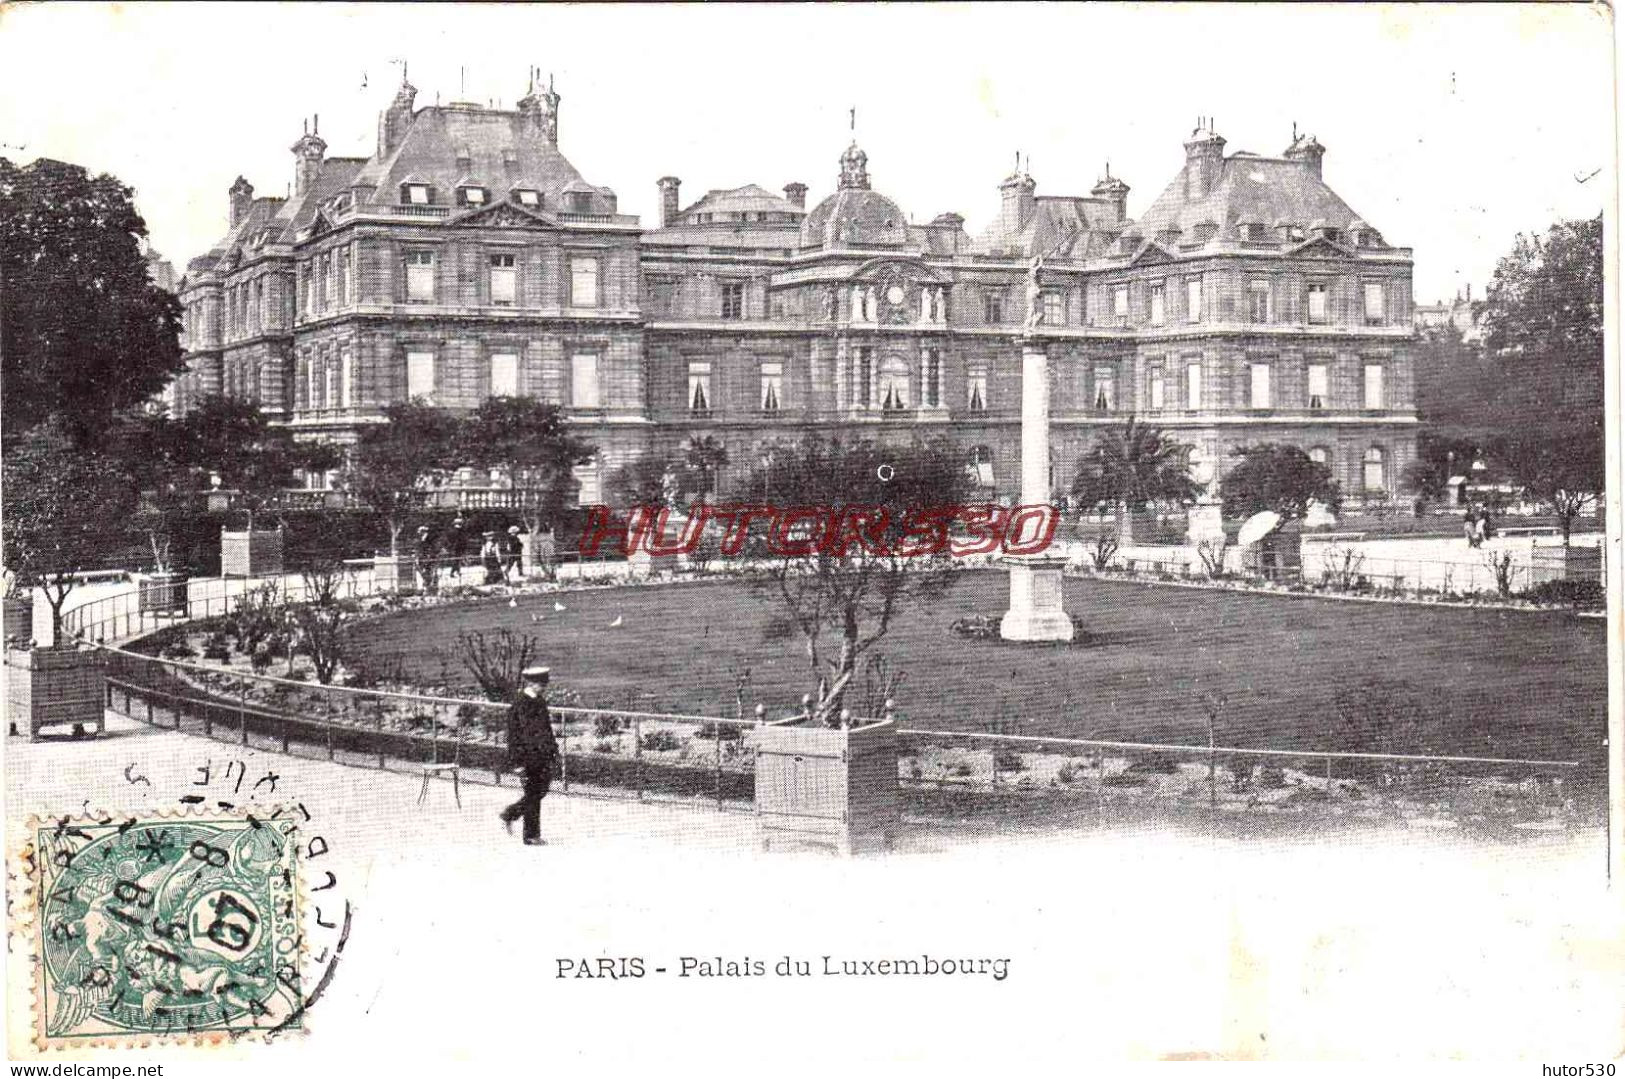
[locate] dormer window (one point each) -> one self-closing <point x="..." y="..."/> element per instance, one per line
<point x="471" y="196"/>
<point x="415" y="194"/>
<point x="1294" y="233"/>
<point x="1255" y="232"/>
<point x="1334" y="235"/>
<point x="528" y="197"/>
<point x="580" y="202"/>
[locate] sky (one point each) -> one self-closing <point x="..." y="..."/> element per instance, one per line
<point x="1449" y="128"/>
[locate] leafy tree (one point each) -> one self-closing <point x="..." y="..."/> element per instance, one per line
<point x="230" y="437"/>
<point x="529" y="442"/>
<point x="705" y="458"/>
<point x="1132" y="466"/>
<point x="1566" y="473"/>
<point x="1439" y="456"/>
<point x="1277" y="477"/>
<point x="323" y="617"/>
<point x="65" y="508"/>
<point x="392" y="460"/>
<point x="640" y="482"/>
<point x="1542" y="320"/>
<point x="150" y="450"/>
<point x="853" y="595"/>
<point x="83" y="330"/>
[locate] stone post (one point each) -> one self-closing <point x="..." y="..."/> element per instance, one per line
<point x="1036" y="612"/>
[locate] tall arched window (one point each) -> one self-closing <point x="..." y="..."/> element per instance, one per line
<point x="1373" y="478"/>
<point x="893" y="383"/>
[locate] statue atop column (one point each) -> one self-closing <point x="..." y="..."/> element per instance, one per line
<point x="1035" y="294"/>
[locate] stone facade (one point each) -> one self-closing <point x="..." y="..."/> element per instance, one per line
<point x="467" y="257"/>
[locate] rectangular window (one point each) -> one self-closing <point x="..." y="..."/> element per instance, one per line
<point x="1156" y="304"/>
<point x="1317" y="303"/>
<point x="305" y="380"/>
<point x="1120" y="302"/>
<point x="1373" y="386"/>
<point x="347" y="380"/>
<point x="417" y="194"/>
<point x="1375" y="305"/>
<point x="931" y="392"/>
<point x="504" y="374"/>
<point x="502" y="280"/>
<point x="699" y="387"/>
<point x="587" y="476"/>
<point x="1054" y="309"/>
<point x="1105" y="389"/>
<point x="866" y="378"/>
<point x="733" y="299"/>
<point x="1260" y="397"/>
<point x="1193" y="386"/>
<point x="1157" y="391"/>
<point x="420" y="276"/>
<point x="1193" y="299"/>
<point x="772" y="386"/>
<point x="420" y="375"/>
<point x="344" y="276"/>
<point x="583" y="282"/>
<point x="993" y="307"/>
<point x="1258" y="301"/>
<point x="530" y="198"/>
<point x="584" y="380"/>
<point x="976" y="389"/>
<point x="1317" y="385"/>
<point x="330" y="387"/>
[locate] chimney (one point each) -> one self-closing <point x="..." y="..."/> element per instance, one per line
<point x="1307" y="151"/>
<point x="540" y="110"/>
<point x="1114" y="191"/>
<point x="668" y="200"/>
<point x="308" y="151"/>
<point x="242" y="197"/>
<point x="1204" y="159"/>
<point x="393" y="121"/>
<point x="796" y="194"/>
<point x="1017" y="203"/>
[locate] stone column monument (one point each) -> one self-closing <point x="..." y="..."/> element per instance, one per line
<point x="1035" y="613"/>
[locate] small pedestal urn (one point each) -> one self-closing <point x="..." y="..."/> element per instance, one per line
<point x="250" y="554"/>
<point x="56" y="686"/>
<point x="1036" y="610"/>
<point x="19" y="614"/>
<point x="834" y="787"/>
<point x="395" y="573"/>
<point x="162" y="593"/>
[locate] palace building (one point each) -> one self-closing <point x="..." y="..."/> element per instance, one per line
<point x="467" y="257"/>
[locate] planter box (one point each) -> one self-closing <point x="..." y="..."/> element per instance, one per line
<point x="1565" y="564"/>
<point x="19" y="624"/>
<point x="250" y="554"/>
<point x="833" y="788"/>
<point x="55" y="686"/>
<point x="395" y="574"/>
<point x="162" y="593"/>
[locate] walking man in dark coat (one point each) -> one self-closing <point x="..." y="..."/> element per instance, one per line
<point x="532" y="751"/>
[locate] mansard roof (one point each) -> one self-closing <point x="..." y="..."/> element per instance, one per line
<point x="500" y="149"/>
<point x="1251" y="190"/>
<point x="747" y="199"/>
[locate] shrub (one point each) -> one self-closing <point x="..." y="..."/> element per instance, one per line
<point x="1155" y="763"/>
<point x="1126" y="779"/>
<point x="1068" y="774"/>
<point x="960" y="769"/>
<point x="660" y="741"/>
<point x="261" y="660"/>
<point x="604" y="726"/>
<point x="1008" y="760"/>
<point x="1271" y="777"/>
<point x="178" y="649"/>
<point x="976" y="627"/>
<point x="1582" y="595"/>
<point x="603" y="747"/>
<point x="215" y="648"/>
<point x="718" y="732"/>
<point x="1241" y="768"/>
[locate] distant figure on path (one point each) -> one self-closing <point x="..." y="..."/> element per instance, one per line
<point x="513" y="554"/>
<point x="457" y="545"/>
<point x="1469" y="526"/>
<point x="423" y="553"/>
<point x="491" y="558"/>
<point x="1481" y="528"/>
<point x="532" y="751"/>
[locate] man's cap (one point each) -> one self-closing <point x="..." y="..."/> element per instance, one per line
<point x="535" y="674"/>
<point x="423" y="528"/>
<point x="488" y="533"/>
<point x="513" y="530"/>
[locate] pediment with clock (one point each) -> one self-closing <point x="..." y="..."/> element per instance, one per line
<point x="897" y="291"/>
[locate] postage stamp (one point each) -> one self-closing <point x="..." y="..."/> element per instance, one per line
<point x="159" y="927"/>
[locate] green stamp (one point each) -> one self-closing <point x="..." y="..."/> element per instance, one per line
<point x="168" y="927"/>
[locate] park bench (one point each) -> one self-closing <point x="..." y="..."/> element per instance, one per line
<point x="1529" y="530"/>
<point x="1335" y="537"/>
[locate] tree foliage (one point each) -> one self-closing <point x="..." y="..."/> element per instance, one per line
<point x="853" y="595"/>
<point x="231" y="438"/>
<point x="1134" y="465"/>
<point x="1564" y="472"/>
<point x="1276" y="477"/>
<point x="66" y="507"/>
<point x="392" y="461"/>
<point x="530" y="444"/>
<point x="83" y="330"/>
<point x="704" y="459"/>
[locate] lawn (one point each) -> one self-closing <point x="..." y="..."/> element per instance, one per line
<point x="1475" y="682"/>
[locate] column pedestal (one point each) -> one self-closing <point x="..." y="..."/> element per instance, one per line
<point x="1036" y="612"/>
